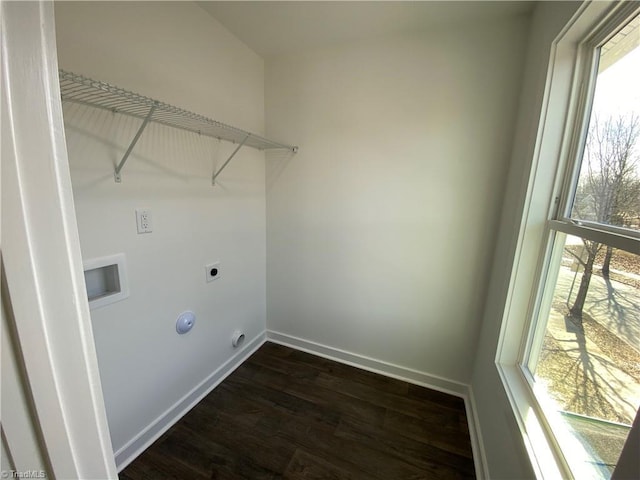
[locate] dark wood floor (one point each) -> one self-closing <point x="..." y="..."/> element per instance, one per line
<point x="288" y="414"/>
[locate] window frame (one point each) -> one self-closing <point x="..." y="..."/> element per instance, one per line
<point x="559" y="143"/>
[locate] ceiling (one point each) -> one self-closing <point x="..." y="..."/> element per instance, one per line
<point x="276" y="28"/>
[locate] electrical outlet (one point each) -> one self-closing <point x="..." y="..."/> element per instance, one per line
<point x="143" y="220"/>
<point x="212" y="271"/>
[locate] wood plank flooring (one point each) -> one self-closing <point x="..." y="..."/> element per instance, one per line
<point x="289" y="414"/>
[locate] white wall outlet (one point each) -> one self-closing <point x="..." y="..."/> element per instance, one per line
<point x="143" y="220"/>
<point x="212" y="271"/>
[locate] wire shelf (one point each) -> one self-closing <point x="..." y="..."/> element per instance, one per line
<point x="94" y="93"/>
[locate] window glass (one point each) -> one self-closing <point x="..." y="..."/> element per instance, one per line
<point x="588" y="363"/>
<point x="584" y="355"/>
<point x="608" y="186"/>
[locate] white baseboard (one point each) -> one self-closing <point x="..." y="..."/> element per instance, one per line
<point x="416" y="377"/>
<point x="479" y="454"/>
<point x="153" y="431"/>
<point x="409" y="375"/>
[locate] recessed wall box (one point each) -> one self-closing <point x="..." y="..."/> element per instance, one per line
<point x="106" y="280"/>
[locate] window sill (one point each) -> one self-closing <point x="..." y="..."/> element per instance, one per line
<point x="534" y="419"/>
<point x="545" y="459"/>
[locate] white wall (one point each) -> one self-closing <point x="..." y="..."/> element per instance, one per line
<point x="177" y="53"/>
<point x="504" y="448"/>
<point x="379" y="231"/>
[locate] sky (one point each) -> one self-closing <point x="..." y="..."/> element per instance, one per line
<point x="618" y="87"/>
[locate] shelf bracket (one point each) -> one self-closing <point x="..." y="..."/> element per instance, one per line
<point x="240" y="145"/>
<point x="117" y="175"/>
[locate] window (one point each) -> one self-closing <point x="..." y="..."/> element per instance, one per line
<point x="580" y="360"/>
